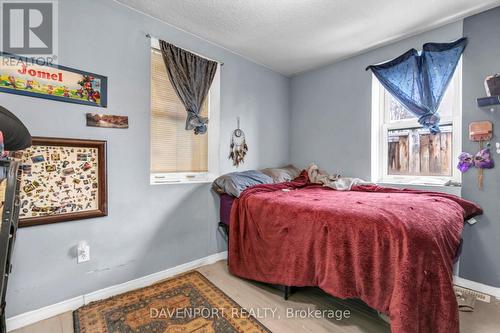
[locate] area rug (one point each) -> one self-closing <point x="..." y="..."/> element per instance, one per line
<point x="186" y="303"/>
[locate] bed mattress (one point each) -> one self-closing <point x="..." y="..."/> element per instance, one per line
<point x="391" y="248"/>
<point x="226" y="202"/>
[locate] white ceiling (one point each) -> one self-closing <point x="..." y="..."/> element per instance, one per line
<point x="293" y="36"/>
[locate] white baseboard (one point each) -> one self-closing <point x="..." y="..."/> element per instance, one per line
<point x="27" y="318"/>
<point x="72" y="304"/>
<point x="483" y="288"/>
<point x="152" y="278"/>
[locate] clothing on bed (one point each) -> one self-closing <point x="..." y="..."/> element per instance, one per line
<point x="334" y="181"/>
<point x="282" y="174"/>
<point x="391" y="248"/>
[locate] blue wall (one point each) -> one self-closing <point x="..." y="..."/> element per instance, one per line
<point x="149" y="228"/>
<point x="321" y="116"/>
<point x="331" y="124"/>
<point x="331" y="108"/>
<point x="480" y="261"/>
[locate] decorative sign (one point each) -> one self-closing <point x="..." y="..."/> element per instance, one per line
<point x="62" y="180"/>
<point x="106" y="120"/>
<point x="23" y="76"/>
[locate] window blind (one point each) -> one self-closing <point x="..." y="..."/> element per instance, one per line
<point x="173" y="149"/>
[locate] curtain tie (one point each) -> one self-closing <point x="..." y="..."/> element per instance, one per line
<point x="431" y="121"/>
<point x="196" y="122"/>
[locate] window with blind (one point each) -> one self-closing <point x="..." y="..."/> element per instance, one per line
<point x="176" y="153"/>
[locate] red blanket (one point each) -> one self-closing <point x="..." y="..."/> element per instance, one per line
<point x="391" y="248"/>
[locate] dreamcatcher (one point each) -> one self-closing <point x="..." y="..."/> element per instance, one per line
<point x="238" y="146"/>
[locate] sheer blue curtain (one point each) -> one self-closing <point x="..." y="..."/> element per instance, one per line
<point x="419" y="80"/>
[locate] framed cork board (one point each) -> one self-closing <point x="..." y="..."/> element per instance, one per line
<point x="62" y="180"/>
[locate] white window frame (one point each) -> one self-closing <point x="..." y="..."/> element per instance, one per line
<point x="380" y="128"/>
<point x="158" y="178"/>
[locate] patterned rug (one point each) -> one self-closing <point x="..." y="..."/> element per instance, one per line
<point x="186" y="303"/>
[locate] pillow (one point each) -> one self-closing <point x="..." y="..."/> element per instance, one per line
<point x="236" y="182"/>
<point x="283" y="174"/>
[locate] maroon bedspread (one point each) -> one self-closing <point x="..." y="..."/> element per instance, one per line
<point x="391" y="248"/>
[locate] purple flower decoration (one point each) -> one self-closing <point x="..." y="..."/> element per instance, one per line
<point x="483" y="160"/>
<point x="465" y="162"/>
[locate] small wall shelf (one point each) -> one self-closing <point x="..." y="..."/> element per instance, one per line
<point x="491" y="103"/>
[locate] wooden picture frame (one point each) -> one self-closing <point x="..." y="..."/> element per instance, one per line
<point x="67" y="179"/>
<point x="24" y="76"/>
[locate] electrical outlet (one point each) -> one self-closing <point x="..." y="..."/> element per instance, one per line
<point x="83" y="250"/>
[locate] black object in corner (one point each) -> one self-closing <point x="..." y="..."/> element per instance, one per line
<point x="9" y="212"/>
<point x="16" y="136"/>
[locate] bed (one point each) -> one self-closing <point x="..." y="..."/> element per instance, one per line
<point x="391" y="248"/>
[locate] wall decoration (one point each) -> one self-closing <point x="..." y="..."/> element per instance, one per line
<point x="482" y="160"/>
<point x="62" y="180"/>
<point x="238" y="146"/>
<point x="492" y="85"/>
<point x="23" y="76"/>
<point x="106" y="120"/>
<point x="479" y="131"/>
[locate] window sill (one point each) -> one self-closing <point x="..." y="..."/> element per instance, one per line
<point x="415" y="184"/>
<point x="181" y="178"/>
<point x="455" y="190"/>
<point x="177" y="182"/>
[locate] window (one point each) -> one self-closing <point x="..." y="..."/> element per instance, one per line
<point x="405" y="152"/>
<point x="177" y="155"/>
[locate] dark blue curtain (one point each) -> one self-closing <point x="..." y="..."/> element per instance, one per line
<point x="419" y="80"/>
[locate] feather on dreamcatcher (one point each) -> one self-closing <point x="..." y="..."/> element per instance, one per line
<point x="238" y="147"/>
